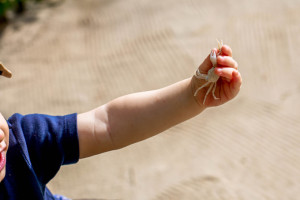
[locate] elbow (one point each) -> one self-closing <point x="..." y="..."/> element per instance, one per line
<point x="102" y="130"/>
<point x="115" y="131"/>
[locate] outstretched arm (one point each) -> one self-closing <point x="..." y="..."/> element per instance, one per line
<point x="135" y="117"/>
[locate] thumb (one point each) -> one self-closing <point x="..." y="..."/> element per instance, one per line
<point x="206" y="64"/>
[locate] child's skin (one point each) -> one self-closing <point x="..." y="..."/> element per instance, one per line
<point x="135" y="117"/>
<point x="4" y="141"/>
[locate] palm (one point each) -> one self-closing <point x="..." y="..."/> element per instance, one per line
<point x="223" y="92"/>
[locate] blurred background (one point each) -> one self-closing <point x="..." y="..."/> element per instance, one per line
<point x="71" y="56"/>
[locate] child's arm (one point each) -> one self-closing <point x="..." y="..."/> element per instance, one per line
<point x="138" y="116"/>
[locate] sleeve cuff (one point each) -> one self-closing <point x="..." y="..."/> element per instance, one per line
<point x="70" y="141"/>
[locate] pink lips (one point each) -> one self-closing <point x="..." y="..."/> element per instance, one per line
<point x="2" y="155"/>
<point x="2" y="160"/>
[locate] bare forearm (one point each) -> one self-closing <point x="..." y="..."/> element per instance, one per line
<point x="138" y="116"/>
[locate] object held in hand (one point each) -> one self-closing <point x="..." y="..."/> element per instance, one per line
<point x="210" y="77"/>
<point x="5" y="72"/>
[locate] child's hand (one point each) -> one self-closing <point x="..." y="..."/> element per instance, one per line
<point x="228" y="84"/>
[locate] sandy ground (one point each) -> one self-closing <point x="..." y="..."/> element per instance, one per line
<point x="76" y="55"/>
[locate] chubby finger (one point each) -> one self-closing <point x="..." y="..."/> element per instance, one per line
<point x="227" y="61"/>
<point x="232" y="76"/>
<point x="225" y="72"/>
<point x="226" y="50"/>
<point x="206" y="65"/>
<point x="236" y="82"/>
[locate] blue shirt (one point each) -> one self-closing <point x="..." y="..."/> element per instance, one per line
<point x="38" y="146"/>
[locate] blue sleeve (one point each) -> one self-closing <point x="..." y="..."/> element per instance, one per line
<point x="51" y="141"/>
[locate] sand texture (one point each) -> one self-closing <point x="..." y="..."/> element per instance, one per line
<point x="74" y="55"/>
